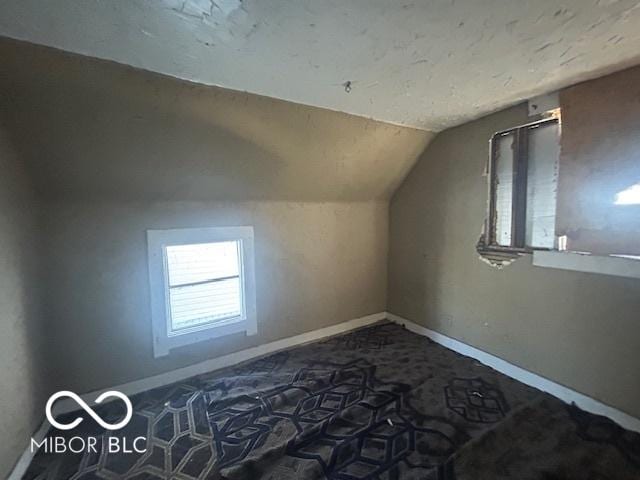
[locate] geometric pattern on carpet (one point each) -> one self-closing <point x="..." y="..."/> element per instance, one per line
<point x="475" y="400"/>
<point x="376" y="403"/>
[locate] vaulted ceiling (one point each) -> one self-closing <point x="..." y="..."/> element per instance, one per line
<point x="426" y="64"/>
<point x="95" y="130"/>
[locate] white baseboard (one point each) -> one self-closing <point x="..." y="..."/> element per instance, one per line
<point x="139" y="386"/>
<point x="529" y="378"/>
<point x="24" y="461"/>
<point x="142" y="385"/>
<point x="564" y="393"/>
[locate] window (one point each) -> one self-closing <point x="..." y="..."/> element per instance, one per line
<point x="202" y="284"/>
<point x="523" y="179"/>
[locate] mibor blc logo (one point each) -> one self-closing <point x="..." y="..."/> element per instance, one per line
<point x="89" y="410"/>
<point x="79" y="444"/>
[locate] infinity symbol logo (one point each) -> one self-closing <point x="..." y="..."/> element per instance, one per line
<point x="89" y="410"/>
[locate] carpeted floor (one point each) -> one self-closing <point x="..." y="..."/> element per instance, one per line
<point x="378" y="403"/>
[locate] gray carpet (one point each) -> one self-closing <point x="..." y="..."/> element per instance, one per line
<point x="378" y="403"/>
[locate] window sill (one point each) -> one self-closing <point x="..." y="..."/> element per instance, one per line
<point x="578" y="262"/>
<point x="163" y="346"/>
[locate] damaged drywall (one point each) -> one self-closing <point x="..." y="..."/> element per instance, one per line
<point x="578" y="329"/>
<point x="522" y="175"/>
<point x="494" y="258"/>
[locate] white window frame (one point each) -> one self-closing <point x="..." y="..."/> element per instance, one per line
<point x="157" y="240"/>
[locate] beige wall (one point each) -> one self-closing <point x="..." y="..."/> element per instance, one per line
<point x="114" y="152"/>
<point x="93" y="129"/>
<point x="317" y="264"/>
<point x="577" y="329"/>
<point x="600" y="158"/>
<point x="22" y="379"/>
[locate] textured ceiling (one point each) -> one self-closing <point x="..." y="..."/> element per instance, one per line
<point x="427" y="64"/>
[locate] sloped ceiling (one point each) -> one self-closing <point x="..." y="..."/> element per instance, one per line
<point x="96" y="130"/>
<point x="428" y="64"/>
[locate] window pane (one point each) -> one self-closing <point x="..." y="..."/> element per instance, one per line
<point x="202" y="262"/>
<point x="204" y="283"/>
<point x="504" y="189"/>
<point x="542" y="186"/>
<point x="205" y="303"/>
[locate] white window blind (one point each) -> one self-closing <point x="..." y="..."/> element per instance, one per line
<point x="204" y="283"/>
<point x="523" y="186"/>
<point x="542" y="185"/>
<point x="504" y="188"/>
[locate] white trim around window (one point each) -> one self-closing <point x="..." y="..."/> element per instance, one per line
<point x="187" y="282"/>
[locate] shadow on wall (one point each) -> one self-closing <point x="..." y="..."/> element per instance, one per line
<point x="106" y="126"/>
<point x="114" y="151"/>
<point x="135" y="144"/>
<point x="23" y="378"/>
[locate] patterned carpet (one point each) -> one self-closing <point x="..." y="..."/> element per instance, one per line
<point x="378" y="403"/>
